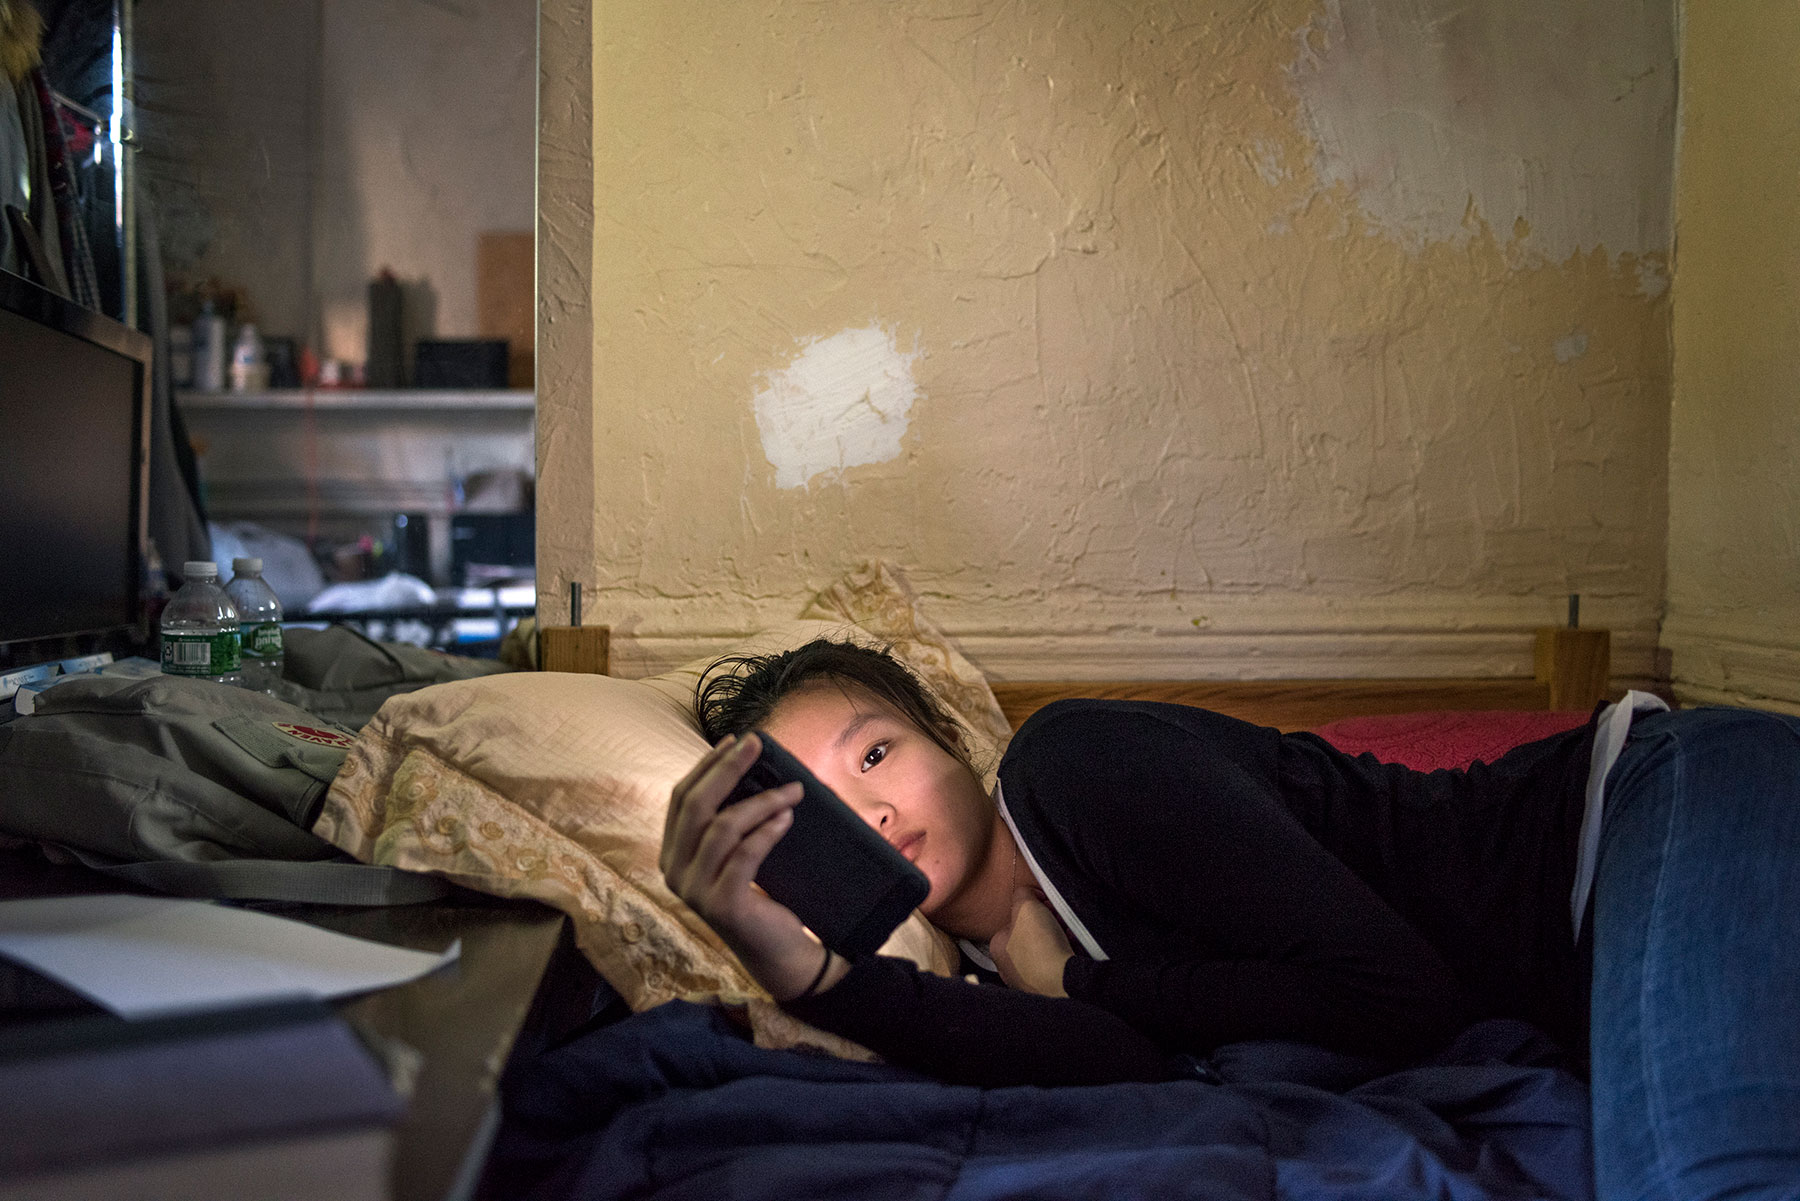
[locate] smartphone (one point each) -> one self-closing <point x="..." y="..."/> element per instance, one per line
<point x="838" y="875"/>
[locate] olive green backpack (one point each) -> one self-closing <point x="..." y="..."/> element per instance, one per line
<point x="189" y="787"/>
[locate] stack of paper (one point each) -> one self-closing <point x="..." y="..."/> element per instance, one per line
<point x="231" y="1081"/>
<point x="140" y="956"/>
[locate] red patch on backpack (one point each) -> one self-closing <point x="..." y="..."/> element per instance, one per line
<point x="314" y="734"/>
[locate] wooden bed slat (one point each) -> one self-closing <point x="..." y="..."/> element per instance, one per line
<point x="1286" y="704"/>
<point x="1572" y="673"/>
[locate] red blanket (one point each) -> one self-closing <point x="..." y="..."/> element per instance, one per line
<point x="1457" y="738"/>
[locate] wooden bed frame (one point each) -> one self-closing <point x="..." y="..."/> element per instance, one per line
<point x="1572" y="670"/>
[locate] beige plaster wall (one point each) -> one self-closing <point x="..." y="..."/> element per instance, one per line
<point x="567" y="456"/>
<point x="1733" y="623"/>
<point x="1254" y="339"/>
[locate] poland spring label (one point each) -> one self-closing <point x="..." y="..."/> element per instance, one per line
<point x="200" y="654"/>
<point x="261" y="639"/>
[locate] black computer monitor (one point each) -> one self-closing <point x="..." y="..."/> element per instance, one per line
<point x="74" y="438"/>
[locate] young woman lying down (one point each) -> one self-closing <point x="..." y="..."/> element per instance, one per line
<point x="1152" y="881"/>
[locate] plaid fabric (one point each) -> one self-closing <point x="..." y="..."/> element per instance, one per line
<point x="78" y="256"/>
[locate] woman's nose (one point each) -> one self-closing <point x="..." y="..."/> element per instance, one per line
<point x="876" y="813"/>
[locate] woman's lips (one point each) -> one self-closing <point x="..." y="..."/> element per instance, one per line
<point x="909" y="845"/>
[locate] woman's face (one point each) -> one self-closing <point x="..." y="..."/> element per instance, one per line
<point x="922" y="799"/>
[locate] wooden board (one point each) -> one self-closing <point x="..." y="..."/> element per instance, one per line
<point x="1571" y="675"/>
<point x="575" y="648"/>
<point x="1286" y="704"/>
<point x="505" y="285"/>
<point x="1575" y="664"/>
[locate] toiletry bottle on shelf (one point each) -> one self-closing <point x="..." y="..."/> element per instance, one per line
<point x="209" y="350"/>
<point x="386" y="349"/>
<point x="249" y="365"/>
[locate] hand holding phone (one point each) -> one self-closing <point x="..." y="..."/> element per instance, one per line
<point x="835" y="873"/>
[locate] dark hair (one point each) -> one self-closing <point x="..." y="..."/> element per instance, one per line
<point x="747" y="689"/>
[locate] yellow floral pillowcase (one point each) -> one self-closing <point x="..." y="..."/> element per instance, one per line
<point x="554" y="787"/>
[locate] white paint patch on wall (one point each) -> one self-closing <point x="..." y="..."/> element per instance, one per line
<point x="1571" y="348"/>
<point x="843" y="402"/>
<point x="1653" y="278"/>
<point x="1434" y="112"/>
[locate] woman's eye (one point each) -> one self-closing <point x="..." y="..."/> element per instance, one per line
<point x="875" y="755"/>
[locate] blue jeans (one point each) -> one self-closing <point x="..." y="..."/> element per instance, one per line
<point x="1696" y="990"/>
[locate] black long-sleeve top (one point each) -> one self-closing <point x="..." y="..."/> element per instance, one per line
<point x="1245" y="883"/>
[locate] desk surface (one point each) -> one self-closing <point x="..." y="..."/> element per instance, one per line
<point x="461" y="1020"/>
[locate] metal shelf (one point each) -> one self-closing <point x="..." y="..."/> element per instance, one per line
<point x="364" y="400"/>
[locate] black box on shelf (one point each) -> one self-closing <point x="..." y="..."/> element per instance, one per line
<point x="491" y="540"/>
<point x="460" y="363"/>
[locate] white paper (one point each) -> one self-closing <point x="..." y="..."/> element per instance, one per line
<point x="143" y="956"/>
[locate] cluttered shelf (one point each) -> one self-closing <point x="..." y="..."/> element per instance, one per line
<point x="419" y="481"/>
<point x="450" y="625"/>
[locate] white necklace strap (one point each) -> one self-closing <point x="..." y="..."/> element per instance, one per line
<point x="1074" y="924"/>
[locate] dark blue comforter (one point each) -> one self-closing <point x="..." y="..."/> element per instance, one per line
<point x="674" y="1103"/>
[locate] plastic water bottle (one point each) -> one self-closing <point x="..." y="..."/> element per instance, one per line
<point x="249" y="362"/>
<point x="209" y="350"/>
<point x="200" y="636"/>
<point x="259" y="624"/>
